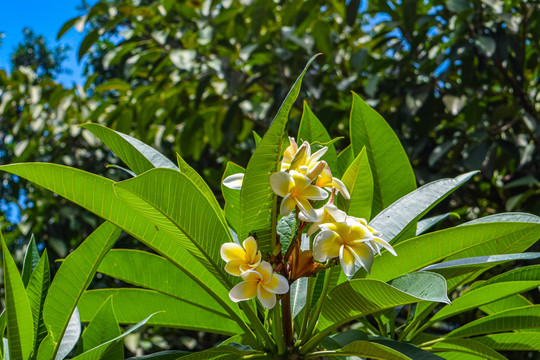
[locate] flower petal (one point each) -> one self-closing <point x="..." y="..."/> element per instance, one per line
<point x="306" y="208"/>
<point x="245" y="290"/>
<point x="346" y="258"/>
<point x="326" y="245"/>
<point x="363" y="254"/>
<point x="335" y="213"/>
<point x="265" y="269"/>
<point x="234" y="181"/>
<point x="341" y="187"/>
<point x="232" y="251"/>
<point x="301" y="181"/>
<point x="317" y="155"/>
<point x="250" y="244"/>
<point x="277" y="285"/>
<point x="252" y="275"/>
<point x="385" y="245"/>
<point x="233" y="267"/>
<point x="267" y="299"/>
<point x="281" y="183"/>
<point x="287" y="205"/>
<point x="313" y="192"/>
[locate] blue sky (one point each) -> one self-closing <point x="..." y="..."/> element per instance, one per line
<point x="45" y="18"/>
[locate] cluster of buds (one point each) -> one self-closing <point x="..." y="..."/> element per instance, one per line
<point x="303" y="179"/>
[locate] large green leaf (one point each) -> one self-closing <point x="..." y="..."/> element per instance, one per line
<point x="162" y="355"/>
<point x="345" y="159"/>
<point x="524" y="341"/>
<point x="130" y="305"/>
<point x="96" y="194"/>
<point x="231" y="196"/>
<point x="419" y="252"/>
<point x="506" y="217"/>
<point x="20" y="326"/>
<point x="359" y="181"/>
<point x="425" y="224"/>
<point x="392" y="173"/>
<point x="467" y="346"/>
<point x="31" y="260"/>
<point x="299" y="293"/>
<point x="70" y="337"/>
<point x="475" y="298"/>
<point x="510" y="302"/>
<point x="312" y="130"/>
<point x="72" y="279"/>
<point x="514" y="319"/>
<point x="103" y="351"/>
<point x="101" y="329"/>
<point x="174" y="204"/>
<point x="224" y="352"/>
<point x="362" y="348"/>
<point x="526" y="273"/>
<point x="37" y="289"/>
<point x="258" y="204"/>
<point x="472" y="262"/>
<point x="395" y="220"/>
<point x="407" y="349"/>
<point x="156" y="273"/>
<point x="423" y="284"/>
<point x="361" y="297"/>
<point x="138" y="156"/>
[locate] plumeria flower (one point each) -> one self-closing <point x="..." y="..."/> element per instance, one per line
<point x="234" y="181"/>
<point x="301" y="159"/>
<point x="260" y="282"/>
<point x="329" y="213"/>
<point x="349" y="240"/>
<point x="325" y="179"/>
<point x="241" y="258"/>
<point x="296" y="190"/>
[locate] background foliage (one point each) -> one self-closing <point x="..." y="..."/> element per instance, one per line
<point x="457" y="80"/>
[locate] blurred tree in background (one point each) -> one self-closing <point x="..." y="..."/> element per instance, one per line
<point x="458" y="81"/>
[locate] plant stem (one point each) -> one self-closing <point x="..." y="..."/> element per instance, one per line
<point x="278" y="331"/>
<point x="256" y="323"/>
<point x="286" y="318"/>
<point x="315" y="316"/>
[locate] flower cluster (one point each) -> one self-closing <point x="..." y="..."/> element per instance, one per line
<point x="258" y="276"/>
<point x="304" y="177"/>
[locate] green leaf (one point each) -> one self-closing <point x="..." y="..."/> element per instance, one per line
<point x="392" y="173"/>
<point x="73" y="277"/>
<point x="162" y="355"/>
<point x="188" y="313"/>
<point x="231" y="196"/>
<point x="73" y="184"/>
<point x="359" y="181"/>
<point x="345" y="159"/>
<point x="37" y="289"/>
<point x="258" y="204"/>
<point x="512" y="341"/>
<point x="510" y="302"/>
<point x="31" y="260"/>
<point x="20" y="329"/>
<point x="506" y="217"/>
<point x="156" y="273"/>
<point x="468" y="346"/>
<point x="286" y="228"/>
<point x="112" y="85"/>
<point x="70" y="336"/>
<point x="299" y="290"/>
<point x="225" y="352"/>
<point x="367" y="349"/>
<point x="424" y="225"/>
<point x="527" y="273"/>
<point x="356" y="298"/>
<point x="87" y="42"/>
<point x="474" y="298"/>
<point x="481" y="260"/>
<point x="174" y="204"/>
<point x="312" y="130"/>
<point x="407" y="349"/>
<point x="444" y="244"/>
<point x="424" y="285"/>
<point x="138" y="156"/>
<point x="256" y="138"/>
<point x="103" y="350"/>
<point x="513" y="319"/>
<point x="102" y="328"/>
<point x="402" y="215"/>
<point x="65" y="28"/>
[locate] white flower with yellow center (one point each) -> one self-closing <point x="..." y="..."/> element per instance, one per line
<point x="301" y="159"/>
<point x="329" y="213"/>
<point x="296" y="190"/>
<point x="241" y="258"/>
<point x="260" y="282"/>
<point x="325" y="179"/>
<point x="349" y="240"/>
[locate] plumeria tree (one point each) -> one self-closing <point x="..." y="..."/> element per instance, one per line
<point x="316" y="254"/>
